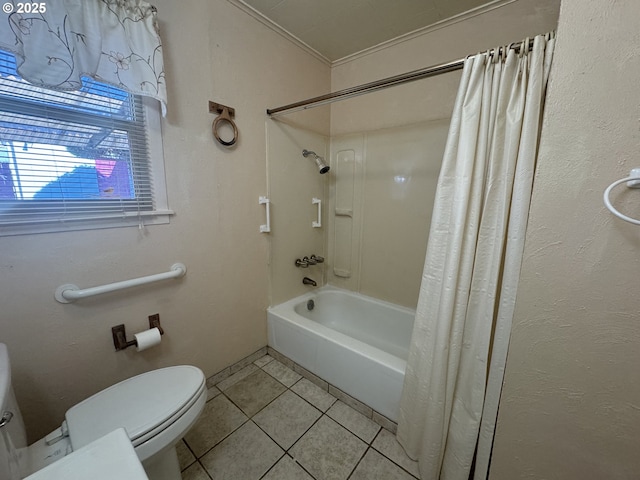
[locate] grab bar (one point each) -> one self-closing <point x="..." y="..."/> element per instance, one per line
<point x="266" y="228"/>
<point x="70" y="293"/>
<point x="317" y="201"/>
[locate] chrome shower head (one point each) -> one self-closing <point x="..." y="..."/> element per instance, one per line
<point x="322" y="167"/>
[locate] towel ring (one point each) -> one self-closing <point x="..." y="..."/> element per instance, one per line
<point x="633" y="177"/>
<point x="225" y="115"/>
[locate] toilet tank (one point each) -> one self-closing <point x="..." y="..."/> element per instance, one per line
<point x="13" y="437"/>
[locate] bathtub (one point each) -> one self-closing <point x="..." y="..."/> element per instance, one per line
<point x="356" y="343"/>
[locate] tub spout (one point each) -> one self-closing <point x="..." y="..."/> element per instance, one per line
<point x="308" y="281"/>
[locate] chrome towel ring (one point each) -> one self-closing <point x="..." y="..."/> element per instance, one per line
<point x="225" y="115"/>
<point x="633" y="182"/>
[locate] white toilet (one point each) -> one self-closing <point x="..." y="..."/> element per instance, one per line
<point x="156" y="409"/>
<point x="97" y="461"/>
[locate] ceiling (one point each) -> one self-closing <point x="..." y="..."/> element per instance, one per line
<point x="338" y="28"/>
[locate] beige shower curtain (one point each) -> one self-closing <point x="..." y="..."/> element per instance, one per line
<point x="450" y="397"/>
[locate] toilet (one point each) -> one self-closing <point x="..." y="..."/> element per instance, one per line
<point x="155" y="409"/>
<point x="97" y="461"/>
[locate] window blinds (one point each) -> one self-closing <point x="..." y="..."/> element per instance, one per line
<point x="71" y="156"/>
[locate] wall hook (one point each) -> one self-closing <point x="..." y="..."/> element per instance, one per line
<point x="225" y="115"/>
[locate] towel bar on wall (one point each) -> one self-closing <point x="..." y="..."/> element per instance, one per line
<point x="68" y="293"/>
<point x="633" y="181"/>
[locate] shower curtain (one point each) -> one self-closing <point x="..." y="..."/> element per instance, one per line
<point x="450" y="397"/>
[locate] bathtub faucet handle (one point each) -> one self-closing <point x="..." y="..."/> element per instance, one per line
<point x="304" y="263"/>
<point x="317" y="258"/>
<point x="310" y="261"/>
<point x="308" y="281"/>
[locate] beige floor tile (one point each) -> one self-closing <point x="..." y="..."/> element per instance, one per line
<point x="219" y="418"/>
<point x="366" y="410"/>
<point x="195" y="472"/>
<point x="354" y="421"/>
<point x="246" y="454"/>
<point x="287" y="469"/>
<point x="312" y="377"/>
<point x="282" y="373"/>
<point x="254" y="392"/>
<point x="374" y="465"/>
<point x="212" y="392"/>
<point x="281" y="358"/>
<point x="218" y="377"/>
<point x="387" y="444"/>
<point x="328" y="451"/>
<point x="262" y="361"/>
<point x="313" y="394"/>
<point x="286" y="418"/>
<point x="236" y="377"/>
<point x="185" y="456"/>
<point x="248" y="360"/>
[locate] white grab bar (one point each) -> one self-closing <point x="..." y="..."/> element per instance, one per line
<point x="70" y="293"/>
<point x="317" y="201"/>
<point x="267" y="227"/>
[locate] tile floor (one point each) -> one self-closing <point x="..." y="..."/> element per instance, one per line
<point x="266" y="422"/>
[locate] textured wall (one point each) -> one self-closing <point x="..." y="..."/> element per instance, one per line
<point x="570" y="407"/>
<point x="216" y="314"/>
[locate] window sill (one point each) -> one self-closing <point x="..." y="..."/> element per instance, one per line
<point x="129" y="219"/>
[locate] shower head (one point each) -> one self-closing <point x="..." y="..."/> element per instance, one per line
<point x="322" y="167"/>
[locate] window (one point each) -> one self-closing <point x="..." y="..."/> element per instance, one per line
<point x="90" y="158"/>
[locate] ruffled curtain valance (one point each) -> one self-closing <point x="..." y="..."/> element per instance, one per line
<point x="111" y="41"/>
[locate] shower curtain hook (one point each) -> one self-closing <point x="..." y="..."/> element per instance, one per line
<point x="495" y="55"/>
<point x="525" y="48"/>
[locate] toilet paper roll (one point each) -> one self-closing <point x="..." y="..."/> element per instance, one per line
<point x="147" y="339"/>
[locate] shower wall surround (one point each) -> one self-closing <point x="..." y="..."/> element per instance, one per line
<point x="377" y="202"/>
<point x="381" y="198"/>
<point x="293" y="182"/>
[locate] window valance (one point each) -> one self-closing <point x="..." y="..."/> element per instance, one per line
<point x="112" y="41"/>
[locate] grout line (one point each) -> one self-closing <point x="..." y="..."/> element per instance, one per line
<point x="369" y="445"/>
<point x="274" y="463"/>
<point x="302" y="467"/>
<point x="305" y="432"/>
<point x="227" y="435"/>
<point x="358" y="462"/>
<point x="192" y="453"/>
<point x="390" y="459"/>
<point x="206" y="472"/>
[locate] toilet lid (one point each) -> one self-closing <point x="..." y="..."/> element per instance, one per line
<point x="139" y="404"/>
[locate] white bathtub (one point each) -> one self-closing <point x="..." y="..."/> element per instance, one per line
<point x="356" y="343"/>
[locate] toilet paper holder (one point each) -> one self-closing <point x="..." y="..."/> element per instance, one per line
<point x="120" y="335"/>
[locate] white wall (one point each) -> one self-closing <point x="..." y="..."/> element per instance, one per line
<point x="404" y="129"/>
<point x="570" y="407"/>
<point x="216" y="314"/>
<point x="293" y="182"/>
<point x="431" y="98"/>
<point x="387" y="179"/>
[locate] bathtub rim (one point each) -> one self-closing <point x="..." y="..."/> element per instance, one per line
<point x="374" y="354"/>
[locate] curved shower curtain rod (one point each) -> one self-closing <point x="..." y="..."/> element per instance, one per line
<point x="384" y="83"/>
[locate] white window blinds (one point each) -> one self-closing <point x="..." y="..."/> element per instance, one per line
<point x="68" y="157"/>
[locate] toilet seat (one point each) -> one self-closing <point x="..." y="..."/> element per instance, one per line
<point x="144" y="405"/>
